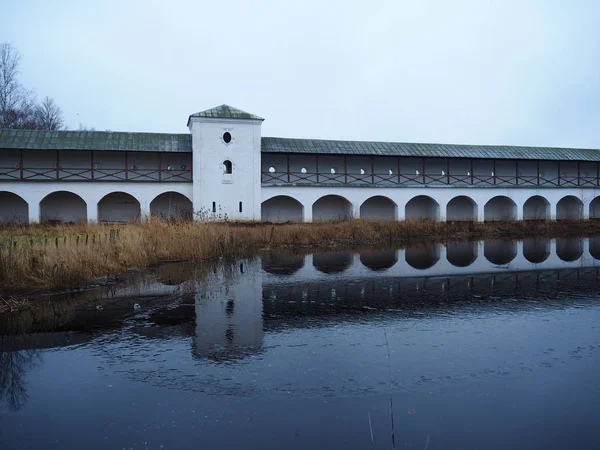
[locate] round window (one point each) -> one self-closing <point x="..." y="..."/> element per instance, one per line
<point x="227" y="137"/>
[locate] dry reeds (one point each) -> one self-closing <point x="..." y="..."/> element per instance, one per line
<point x="67" y="256"/>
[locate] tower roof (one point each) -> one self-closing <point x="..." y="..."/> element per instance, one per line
<point x="225" y="112"/>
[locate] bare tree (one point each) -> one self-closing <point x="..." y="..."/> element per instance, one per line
<point x="18" y="108"/>
<point x="49" y="116"/>
<point x="13" y="371"/>
<point x="17" y="104"/>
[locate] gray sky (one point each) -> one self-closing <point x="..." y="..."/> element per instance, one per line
<point x="461" y="71"/>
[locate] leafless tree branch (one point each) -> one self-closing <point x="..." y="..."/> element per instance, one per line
<point x="18" y="108"/>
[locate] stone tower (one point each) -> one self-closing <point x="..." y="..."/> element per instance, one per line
<point x="226" y="157"/>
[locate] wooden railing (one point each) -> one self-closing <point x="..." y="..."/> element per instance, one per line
<point x="412" y="179"/>
<point x="60" y="173"/>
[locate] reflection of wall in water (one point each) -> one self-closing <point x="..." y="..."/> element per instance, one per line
<point x="282" y="263"/>
<point x="423" y="257"/>
<point x="379" y="260"/>
<point x="499" y="251"/>
<point x="434" y="260"/>
<point x="332" y="262"/>
<point x="536" y="250"/>
<point x="229" y="315"/>
<point x="569" y="249"/>
<point x="461" y="254"/>
<point x="337" y="295"/>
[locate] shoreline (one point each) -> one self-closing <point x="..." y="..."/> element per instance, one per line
<point x="46" y="258"/>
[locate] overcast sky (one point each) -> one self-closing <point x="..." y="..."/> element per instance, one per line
<point x="462" y="71"/>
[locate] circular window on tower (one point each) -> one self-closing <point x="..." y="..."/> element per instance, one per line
<point x="227" y="137"/>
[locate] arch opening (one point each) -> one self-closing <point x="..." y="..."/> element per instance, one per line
<point x="536" y="208"/>
<point x="379" y="261"/>
<point x="227" y="167"/>
<point x="595" y="208"/>
<point x="500" y="208"/>
<point x="569" y="208"/>
<point x="569" y="249"/>
<point x="332" y="207"/>
<point x="378" y="208"/>
<point x="461" y="254"/>
<point x="119" y="207"/>
<point x="424" y="257"/>
<point x="499" y="252"/>
<point x="281" y="209"/>
<point x="14" y="209"/>
<point x="536" y="250"/>
<point x="461" y="208"/>
<point x="63" y="207"/>
<point x="422" y="207"/>
<point x="332" y="262"/>
<point x="172" y="206"/>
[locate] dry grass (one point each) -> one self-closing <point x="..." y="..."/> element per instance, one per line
<point x="27" y="262"/>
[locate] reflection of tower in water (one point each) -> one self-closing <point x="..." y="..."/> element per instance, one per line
<point x="229" y="315"/>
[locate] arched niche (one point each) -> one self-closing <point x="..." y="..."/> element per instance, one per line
<point x="569" y="208"/>
<point x="13" y="209"/>
<point x="332" y="207"/>
<point x="461" y="208"/>
<point x="281" y="208"/>
<point x="63" y="207"/>
<point x="378" y="208"/>
<point x="119" y="207"/>
<point x="500" y="208"/>
<point x="422" y="207"/>
<point x="536" y="208"/>
<point x="595" y="208"/>
<point x="172" y="206"/>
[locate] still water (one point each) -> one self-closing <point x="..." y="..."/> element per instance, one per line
<point x="491" y="344"/>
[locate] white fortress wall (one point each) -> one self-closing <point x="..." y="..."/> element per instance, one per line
<point x="433" y="202"/>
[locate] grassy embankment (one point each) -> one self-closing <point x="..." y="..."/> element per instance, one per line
<point x="39" y="257"/>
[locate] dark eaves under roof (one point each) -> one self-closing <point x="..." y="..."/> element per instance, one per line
<point x="162" y="142"/>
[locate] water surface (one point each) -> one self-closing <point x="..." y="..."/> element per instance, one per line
<point x="478" y="345"/>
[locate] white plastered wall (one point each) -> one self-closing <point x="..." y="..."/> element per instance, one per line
<point x="211" y="185"/>
<point x="91" y="193"/>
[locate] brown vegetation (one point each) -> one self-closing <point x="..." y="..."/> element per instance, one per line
<point x="68" y="256"/>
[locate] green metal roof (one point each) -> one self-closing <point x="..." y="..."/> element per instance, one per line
<point x="318" y="146"/>
<point x="225" y="112"/>
<point x="157" y="142"/>
<point x="95" y="140"/>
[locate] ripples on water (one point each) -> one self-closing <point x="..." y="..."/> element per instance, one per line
<point x="491" y="345"/>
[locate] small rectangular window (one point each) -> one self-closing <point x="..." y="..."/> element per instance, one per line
<point x="240" y="206"/>
<point x="214" y="207"/>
